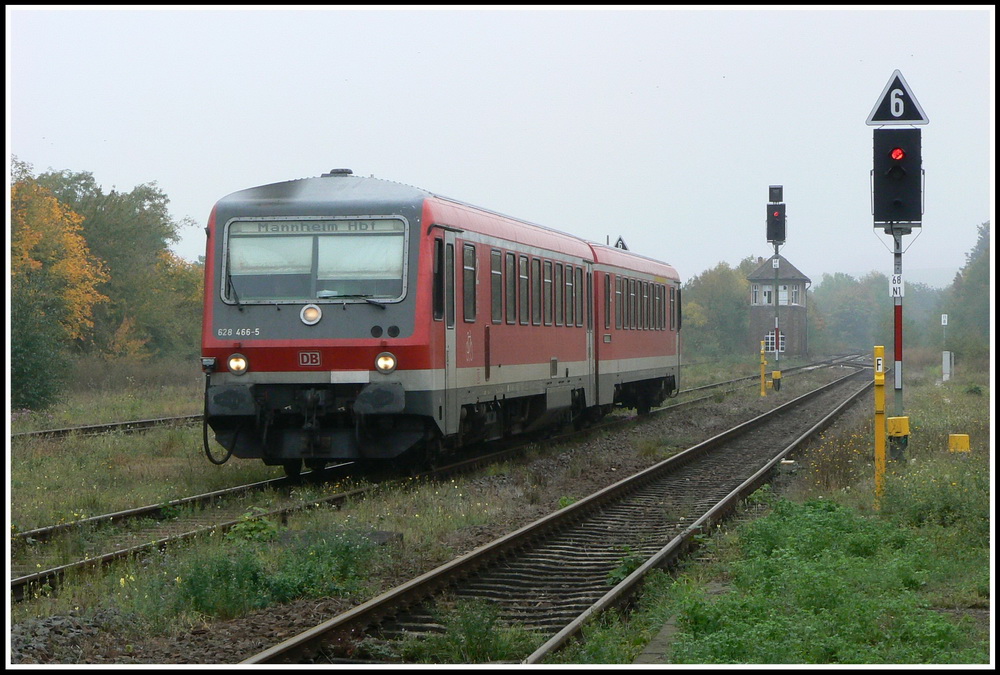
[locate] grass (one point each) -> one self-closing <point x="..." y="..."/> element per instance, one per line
<point x="220" y="577"/>
<point x="60" y="480"/>
<point x="104" y="392"/>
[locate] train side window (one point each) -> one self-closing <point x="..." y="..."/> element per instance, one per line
<point x="632" y="305"/>
<point x="590" y="300"/>
<point x="569" y="295"/>
<point x="673" y="311"/>
<point x="511" y="288"/>
<point x="536" y="291"/>
<point x="641" y="293"/>
<point x="547" y="292"/>
<point x="449" y="286"/>
<point x="659" y="307"/>
<point x="496" y="286"/>
<point x="438" y="279"/>
<point x="646" y="314"/>
<point x="607" y="301"/>
<point x="522" y="289"/>
<point x="579" y="296"/>
<point x="559" y="294"/>
<point x="618" y="301"/>
<point x="663" y="308"/>
<point x="680" y="309"/>
<point x="653" y="315"/>
<point x="469" y="282"/>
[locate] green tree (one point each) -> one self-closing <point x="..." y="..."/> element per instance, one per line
<point x="851" y="314"/>
<point x="967" y="303"/>
<point x="54" y="288"/>
<point x="717" y="311"/>
<point x="131" y="233"/>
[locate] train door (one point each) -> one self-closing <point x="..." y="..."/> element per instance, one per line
<point x="451" y="403"/>
<point x="589" y="322"/>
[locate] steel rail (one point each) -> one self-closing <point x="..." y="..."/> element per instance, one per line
<point x="355" y="621"/>
<point x="94" y="429"/>
<point x="670" y="553"/>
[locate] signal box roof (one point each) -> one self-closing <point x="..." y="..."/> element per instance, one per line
<point x="786" y="271"/>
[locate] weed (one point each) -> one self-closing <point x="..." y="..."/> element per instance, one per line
<point x="566" y="501"/>
<point x="473" y="633"/>
<point x="629" y="562"/>
<point x="253" y="527"/>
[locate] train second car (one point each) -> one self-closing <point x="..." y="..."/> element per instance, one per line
<point x="351" y="318"/>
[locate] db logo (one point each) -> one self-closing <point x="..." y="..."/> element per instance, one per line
<point x="309" y="359"/>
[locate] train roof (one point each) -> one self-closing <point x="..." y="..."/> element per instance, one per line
<point x="617" y="257"/>
<point x="311" y="196"/>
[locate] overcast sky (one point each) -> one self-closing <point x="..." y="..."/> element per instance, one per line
<point x="663" y="127"/>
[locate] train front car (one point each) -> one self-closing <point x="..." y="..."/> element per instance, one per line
<point x="310" y="341"/>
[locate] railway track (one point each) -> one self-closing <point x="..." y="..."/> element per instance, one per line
<point x="163" y="527"/>
<point x="110" y="427"/>
<point x="552" y="576"/>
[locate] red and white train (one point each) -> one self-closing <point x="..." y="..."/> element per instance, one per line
<point x="351" y="318"/>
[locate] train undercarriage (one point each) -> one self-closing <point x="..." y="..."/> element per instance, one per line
<point x="295" y="425"/>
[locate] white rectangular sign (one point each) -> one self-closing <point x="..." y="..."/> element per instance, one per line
<point x="896" y="286"/>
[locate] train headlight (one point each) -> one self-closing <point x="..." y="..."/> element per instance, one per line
<point x="311" y="314"/>
<point x="385" y="362"/>
<point x="237" y="364"/>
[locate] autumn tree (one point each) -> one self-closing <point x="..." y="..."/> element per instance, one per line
<point x="54" y="288"/>
<point x="154" y="296"/>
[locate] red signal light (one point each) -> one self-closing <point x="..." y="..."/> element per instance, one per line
<point x="897" y="154"/>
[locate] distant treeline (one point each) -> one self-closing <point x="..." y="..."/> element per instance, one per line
<point x="92" y="275"/>
<point x="847" y="314"/>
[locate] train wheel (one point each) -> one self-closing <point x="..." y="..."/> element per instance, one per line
<point x="293" y="467"/>
<point x="315" y="464"/>
<point x="434" y="452"/>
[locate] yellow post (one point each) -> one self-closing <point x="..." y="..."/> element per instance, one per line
<point x="958" y="442"/>
<point x="776" y="379"/>
<point x="879" y="425"/>
<point x="763" y="362"/>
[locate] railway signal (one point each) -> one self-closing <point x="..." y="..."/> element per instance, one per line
<point x="897" y="179"/>
<point x="776" y="223"/>
<point x="897" y="176"/>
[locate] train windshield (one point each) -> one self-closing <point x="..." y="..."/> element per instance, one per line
<point x="330" y="259"/>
